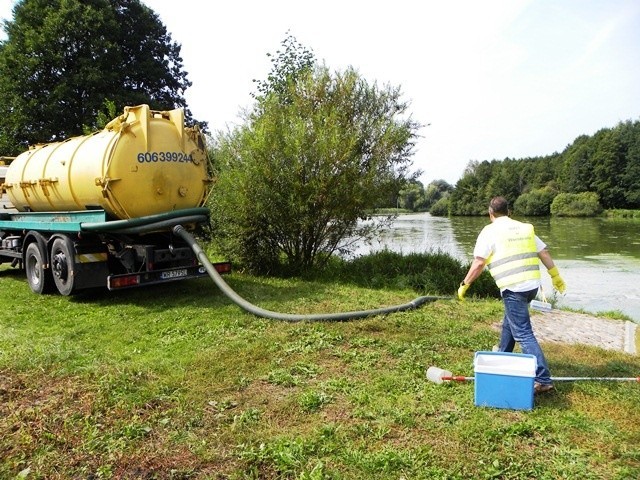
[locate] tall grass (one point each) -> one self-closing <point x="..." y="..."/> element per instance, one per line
<point x="427" y="273"/>
<point x="175" y="382"/>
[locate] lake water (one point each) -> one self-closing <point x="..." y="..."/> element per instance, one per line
<point x="598" y="258"/>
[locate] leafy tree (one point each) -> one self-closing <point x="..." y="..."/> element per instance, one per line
<point x="314" y="155"/>
<point x="609" y="162"/>
<point x="411" y="196"/>
<point x="434" y="192"/>
<point x="577" y="165"/>
<point x="469" y="196"/>
<point x="506" y="180"/>
<point x="108" y="113"/>
<point x="64" y="58"/>
<point x="290" y="64"/>
<point x="631" y="176"/>
<point x="415" y="197"/>
<point x="542" y="171"/>
<point x="464" y="199"/>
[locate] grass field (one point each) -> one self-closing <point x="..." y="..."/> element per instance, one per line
<point x="175" y="382"/>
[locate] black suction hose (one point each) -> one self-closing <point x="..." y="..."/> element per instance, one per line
<point x="180" y="231"/>
<point x="158" y="222"/>
<point x="156" y="226"/>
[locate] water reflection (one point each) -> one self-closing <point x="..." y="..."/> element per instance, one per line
<point x="572" y="237"/>
<point x="417" y="233"/>
<point x="598" y="258"/>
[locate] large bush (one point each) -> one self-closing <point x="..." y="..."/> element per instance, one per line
<point x="441" y="207"/>
<point x="585" y="204"/>
<point x="535" y="203"/>
<point x="317" y="152"/>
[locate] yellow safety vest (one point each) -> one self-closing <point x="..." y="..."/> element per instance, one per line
<point x="515" y="259"/>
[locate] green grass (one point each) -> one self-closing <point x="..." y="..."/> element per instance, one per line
<point x="177" y="382"/>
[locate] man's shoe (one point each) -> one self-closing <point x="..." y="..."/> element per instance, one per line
<point x="541" y="388"/>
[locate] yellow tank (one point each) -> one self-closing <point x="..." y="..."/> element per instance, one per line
<point x="144" y="162"/>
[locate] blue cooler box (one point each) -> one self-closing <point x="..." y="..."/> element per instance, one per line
<point x="504" y="380"/>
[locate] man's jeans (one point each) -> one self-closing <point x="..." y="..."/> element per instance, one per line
<point x="516" y="327"/>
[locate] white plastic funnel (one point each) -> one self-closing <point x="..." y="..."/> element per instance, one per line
<point x="436" y="374"/>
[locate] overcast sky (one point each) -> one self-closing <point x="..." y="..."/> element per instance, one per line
<point x="493" y="78"/>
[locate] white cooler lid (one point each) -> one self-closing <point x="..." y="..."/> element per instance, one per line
<point x="503" y="363"/>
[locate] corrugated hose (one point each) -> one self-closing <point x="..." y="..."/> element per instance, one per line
<point x="180" y="231"/>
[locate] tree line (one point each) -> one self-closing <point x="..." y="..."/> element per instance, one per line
<point x="595" y="172"/>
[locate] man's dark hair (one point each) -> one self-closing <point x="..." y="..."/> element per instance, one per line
<point x="499" y="206"/>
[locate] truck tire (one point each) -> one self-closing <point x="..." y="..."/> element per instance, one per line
<point x="39" y="278"/>
<point x="63" y="265"/>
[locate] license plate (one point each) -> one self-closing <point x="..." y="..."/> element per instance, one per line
<point x="174" y="274"/>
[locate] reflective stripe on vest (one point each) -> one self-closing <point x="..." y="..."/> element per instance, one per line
<point x="515" y="259"/>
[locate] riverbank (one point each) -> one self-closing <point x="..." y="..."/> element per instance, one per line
<point x="176" y="378"/>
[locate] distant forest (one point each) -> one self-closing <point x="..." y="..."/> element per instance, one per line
<point x="595" y="172"/>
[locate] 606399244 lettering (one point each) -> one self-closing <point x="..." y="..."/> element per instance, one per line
<point x="176" y="157"/>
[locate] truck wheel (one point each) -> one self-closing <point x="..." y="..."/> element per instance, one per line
<point x="63" y="264"/>
<point x="38" y="277"/>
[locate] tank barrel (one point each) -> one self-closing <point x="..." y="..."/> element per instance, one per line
<point x="144" y="162"/>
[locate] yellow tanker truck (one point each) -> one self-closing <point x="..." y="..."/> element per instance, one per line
<point x="98" y="210"/>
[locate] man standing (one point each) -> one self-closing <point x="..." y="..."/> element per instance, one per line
<point x="511" y="249"/>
